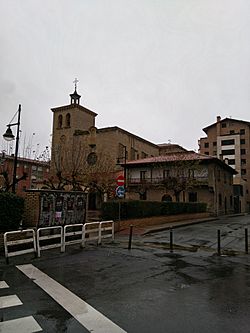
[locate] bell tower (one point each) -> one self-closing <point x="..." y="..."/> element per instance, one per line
<point x="68" y="121"/>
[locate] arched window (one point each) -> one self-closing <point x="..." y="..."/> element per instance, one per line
<point x="67" y="120"/>
<point x="166" y="198"/>
<point x="60" y="120"/>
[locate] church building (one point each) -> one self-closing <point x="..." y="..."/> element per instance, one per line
<point x="78" y="145"/>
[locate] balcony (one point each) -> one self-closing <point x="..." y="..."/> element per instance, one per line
<point x="160" y="181"/>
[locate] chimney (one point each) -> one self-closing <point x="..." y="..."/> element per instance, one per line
<point x="218" y="119"/>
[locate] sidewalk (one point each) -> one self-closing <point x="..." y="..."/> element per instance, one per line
<point x="140" y="231"/>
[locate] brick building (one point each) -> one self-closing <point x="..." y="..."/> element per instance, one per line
<point x="185" y="177"/>
<point x="36" y="171"/>
<point x="229" y="140"/>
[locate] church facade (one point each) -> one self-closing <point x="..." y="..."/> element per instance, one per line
<point x="78" y="146"/>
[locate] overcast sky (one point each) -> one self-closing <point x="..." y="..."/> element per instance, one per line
<point x="161" y="69"/>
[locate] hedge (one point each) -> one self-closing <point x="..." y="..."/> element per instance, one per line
<point x="137" y="209"/>
<point x="11" y="211"/>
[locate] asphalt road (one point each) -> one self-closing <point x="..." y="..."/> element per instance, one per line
<point x="147" y="289"/>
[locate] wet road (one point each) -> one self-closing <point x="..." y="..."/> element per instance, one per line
<point x="147" y="289"/>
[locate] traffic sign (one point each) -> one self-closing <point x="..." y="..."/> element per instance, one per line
<point x="120" y="191"/>
<point x="120" y="180"/>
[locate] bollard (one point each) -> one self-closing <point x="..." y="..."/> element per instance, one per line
<point x="130" y="237"/>
<point x="218" y="243"/>
<point x="171" y="240"/>
<point x="246" y="240"/>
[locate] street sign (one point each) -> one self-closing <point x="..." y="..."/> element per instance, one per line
<point x="120" y="180"/>
<point x="120" y="191"/>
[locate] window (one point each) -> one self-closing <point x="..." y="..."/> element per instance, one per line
<point x="191" y="173"/>
<point x="166" y="173"/>
<point x="242" y="141"/>
<point x="133" y="154"/>
<point x="232" y="132"/>
<point x="60" y="120"/>
<point x="242" y="131"/>
<point x="206" y="145"/>
<point x="225" y="178"/>
<point x="144" y="155"/>
<point x="243" y="171"/>
<point x="231" y="162"/>
<point x="223" y="125"/>
<point x="192" y="196"/>
<point x="243" y="151"/>
<point x="142" y="175"/>
<point x="214" y="143"/>
<point x="121" y="153"/>
<point x="67" y="120"/>
<point x="243" y="161"/>
<point x="228" y="152"/>
<point x="231" y="201"/>
<point x="206" y="153"/>
<point x="227" y="142"/>
<point x="34" y="167"/>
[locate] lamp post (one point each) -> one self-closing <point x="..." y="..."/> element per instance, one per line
<point x="9" y="136"/>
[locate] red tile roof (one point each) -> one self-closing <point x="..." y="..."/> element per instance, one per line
<point x="180" y="156"/>
<point x="172" y="157"/>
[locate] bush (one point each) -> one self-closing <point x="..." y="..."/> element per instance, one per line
<point x="138" y="209"/>
<point x="11" y="211"/>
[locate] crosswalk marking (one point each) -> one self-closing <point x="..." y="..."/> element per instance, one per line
<point x="20" y="325"/>
<point x="7" y="301"/>
<point x="3" y="285"/>
<point x="90" y="318"/>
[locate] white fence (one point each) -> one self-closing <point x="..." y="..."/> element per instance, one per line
<point x="60" y="236"/>
<point x="92" y="232"/>
<point x="106" y="230"/>
<point x="19" y="239"/>
<point x="43" y="235"/>
<point x="73" y="234"/>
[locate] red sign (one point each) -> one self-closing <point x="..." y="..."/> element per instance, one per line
<point x="120" y="180"/>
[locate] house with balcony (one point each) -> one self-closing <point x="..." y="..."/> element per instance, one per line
<point x="182" y="176"/>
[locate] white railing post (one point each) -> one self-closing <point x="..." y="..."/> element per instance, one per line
<point x="25" y="239"/>
<point x="73" y="232"/>
<point x="47" y="237"/>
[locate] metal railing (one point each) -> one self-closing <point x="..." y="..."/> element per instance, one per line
<point x="162" y="180"/>
<point x="20" y="239"/>
<point x="56" y="237"/>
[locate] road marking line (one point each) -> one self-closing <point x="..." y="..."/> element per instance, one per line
<point x="7" y="301"/>
<point x="3" y="284"/>
<point x="20" y="325"/>
<point x="87" y="316"/>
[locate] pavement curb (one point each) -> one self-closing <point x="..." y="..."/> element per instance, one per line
<point x="176" y="225"/>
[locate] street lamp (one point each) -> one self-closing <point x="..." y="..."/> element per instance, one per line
<point x="9" y="136"/>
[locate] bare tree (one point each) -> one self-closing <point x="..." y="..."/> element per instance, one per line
<point x="76" y="166"/>
<point x="181" y="176"/>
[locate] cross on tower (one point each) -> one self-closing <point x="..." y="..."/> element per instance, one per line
<point x="75" y="98"/>
<point x="75" y="82"/>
